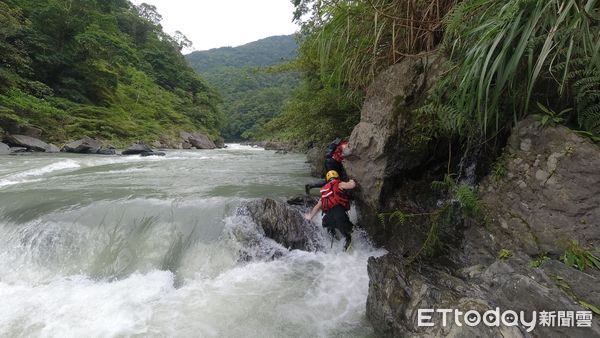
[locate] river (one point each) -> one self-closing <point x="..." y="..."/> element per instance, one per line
<point x="113" y="246"/>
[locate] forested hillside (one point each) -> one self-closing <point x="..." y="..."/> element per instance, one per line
<point x="253" y="90"/>
<point x="98" y="68"/>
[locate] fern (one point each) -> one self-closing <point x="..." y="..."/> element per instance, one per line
<point x="587" y="100"/>
<point x="470" y="204"/>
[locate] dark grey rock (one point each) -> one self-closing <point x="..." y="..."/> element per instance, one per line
<point x="86" y="145"/>
<point x="283" y="223"/>
<point x="136" y="149"/>
<point x="198" y="140"/>
<point x="28" y="142"/>
<point x="4" y="149"/>
<point x="14" y="150"/>
<point x="105" y="151"/>
<point x="152" y="153"/>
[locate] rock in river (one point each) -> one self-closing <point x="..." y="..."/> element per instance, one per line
<point x="136" y="149"/>
<point x="28" y="142"/>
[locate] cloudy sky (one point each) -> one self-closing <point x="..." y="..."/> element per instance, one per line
<point x="218" y="23"/>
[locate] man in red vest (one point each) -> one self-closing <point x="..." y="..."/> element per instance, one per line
<point x="335" y="205"/>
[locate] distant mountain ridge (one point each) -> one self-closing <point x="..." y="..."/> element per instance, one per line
<point x="251" y="95"/>
<point x="260" y="53"/>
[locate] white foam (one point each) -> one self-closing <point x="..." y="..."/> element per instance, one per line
<point x="77" y="306"/>
<point x="237" y="146"/>
<point x="30" y="175"/>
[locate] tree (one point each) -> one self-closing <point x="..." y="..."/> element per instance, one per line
<point x="149" y="12"/>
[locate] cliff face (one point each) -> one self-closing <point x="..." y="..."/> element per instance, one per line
<point x="379" y="154"/>
<point x="543" y="196"/>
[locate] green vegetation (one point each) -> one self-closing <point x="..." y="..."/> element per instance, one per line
<point x="344" y="45"/>
<point x="580" y="257"/>
<point x="503" y="58"/>
<point x="505" y="254"/>
<point x="566" y="288"/>
<point x="461" y="204"/>
<point x="252" y="80"/>
<point x="98" y="68"/>
<point x="536" y="263"/>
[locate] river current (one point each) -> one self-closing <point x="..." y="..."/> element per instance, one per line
<point x="114" y="246"/>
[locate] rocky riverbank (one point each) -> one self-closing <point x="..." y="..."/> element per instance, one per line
<point x="31" y="141"/>
<point x="539" y="204"/>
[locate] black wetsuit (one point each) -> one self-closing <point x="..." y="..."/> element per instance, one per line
<point x="337" y="218"/>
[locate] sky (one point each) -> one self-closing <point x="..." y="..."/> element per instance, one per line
<point x="219" y="23"/>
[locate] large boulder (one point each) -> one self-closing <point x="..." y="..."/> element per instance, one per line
<point x="197" y="140"/>
<point x="550" y="194"/>
<point x="377" y="151"/>
<point x="383" y="154"/>
<point x="136" y="149"/>
<point x="396" y="293"/>
<point x="86" y="145"/>
<point x="52" y="148"/>
<point x="28" y="142"/>
<point x="283" y="223"/>
<point x="4" y="149"/>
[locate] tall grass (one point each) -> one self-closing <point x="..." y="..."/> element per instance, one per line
<point x="507" y="54"/>
<point x="354" y="40"/>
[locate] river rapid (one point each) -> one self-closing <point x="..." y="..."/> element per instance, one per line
<point x="112" y="246"/>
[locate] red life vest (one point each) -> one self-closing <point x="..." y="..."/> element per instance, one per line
<point x="332" y="195"/>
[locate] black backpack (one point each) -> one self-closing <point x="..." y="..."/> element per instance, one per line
<point x="332" y="147"/>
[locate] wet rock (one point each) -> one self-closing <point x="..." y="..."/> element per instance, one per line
<point x="186" y="145"/>
<point x="4" y="149"/>
<point x="152" y="153"/>
<point x="106" y="151"/>
<point x="198" y="140"/>
<point x="136" y="149"/>
<point x="303" y="201"/>
<point x="28" y="142"/>
<point x="283" y="223"/>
